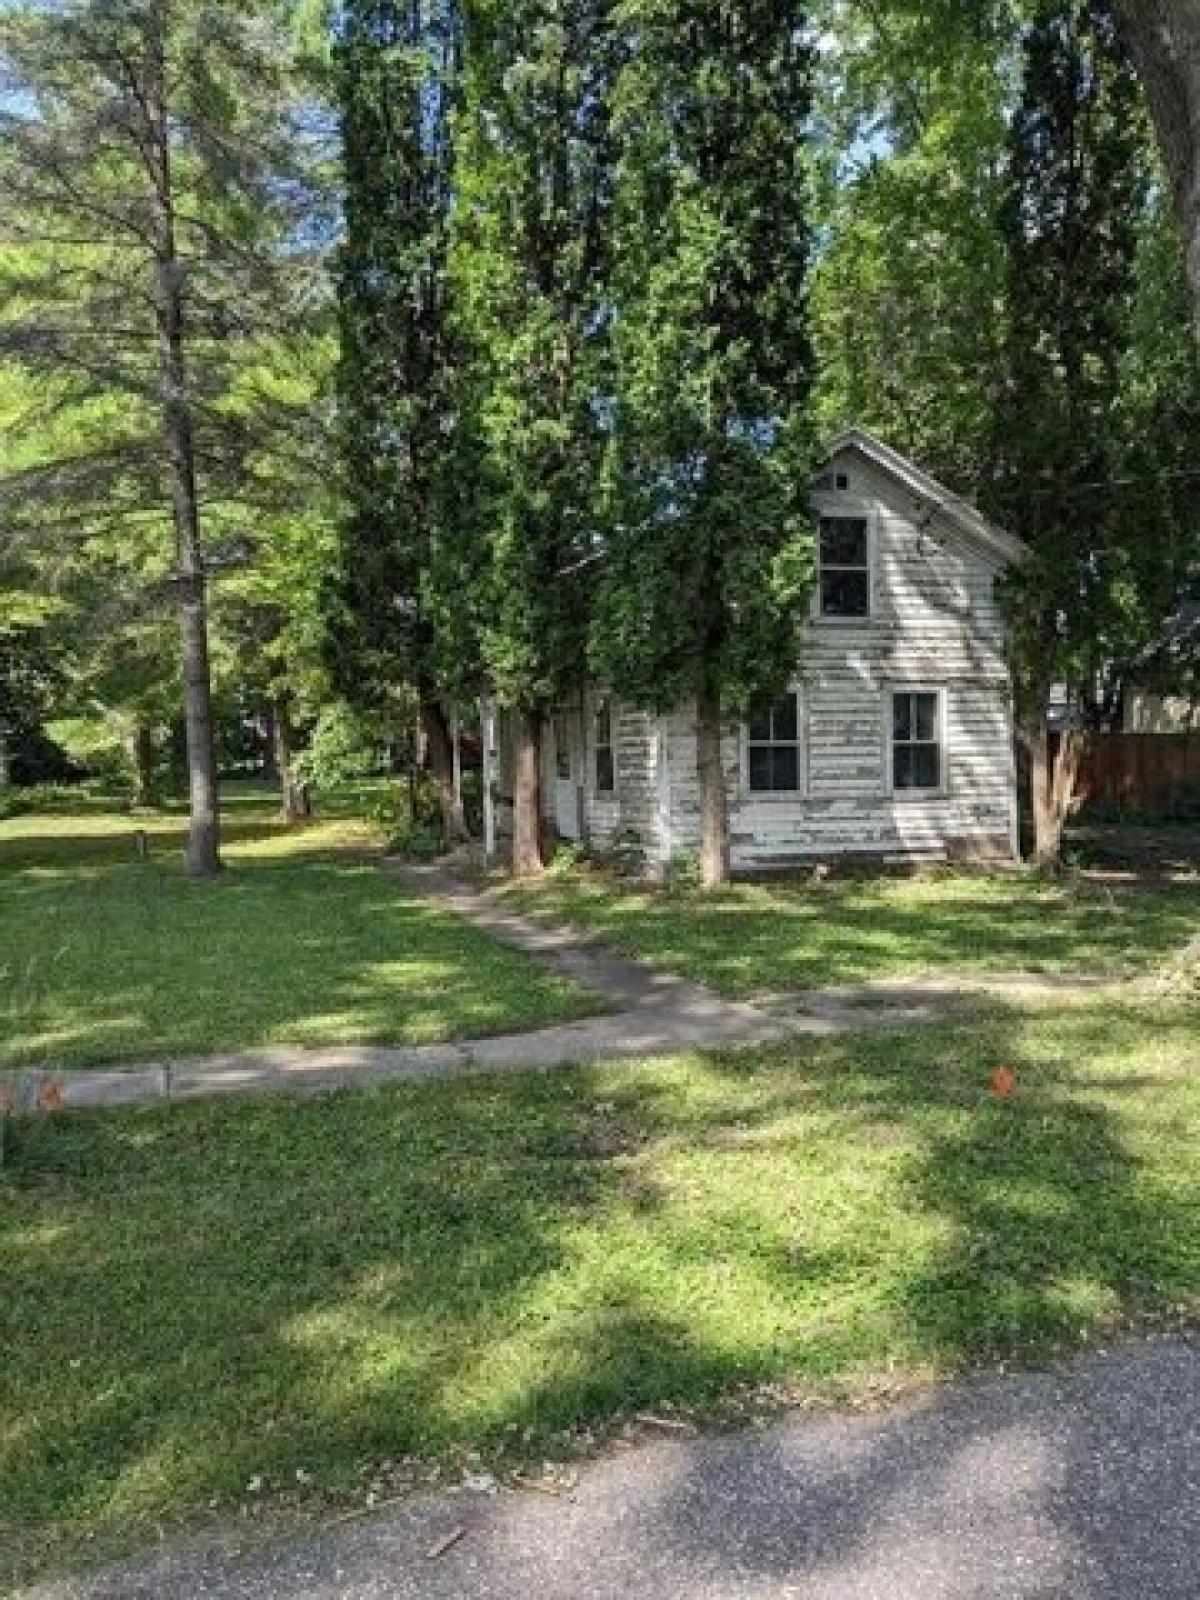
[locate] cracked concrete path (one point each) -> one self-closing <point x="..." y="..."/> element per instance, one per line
<point x="1078" y="1484"/>
<point x="654" y="1013"/>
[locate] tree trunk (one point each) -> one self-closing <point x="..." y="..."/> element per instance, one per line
<point x="1047" y="837"/>
<point x="487" y="730"/>
<point x="270" y="742"/>
<point x="714" y="802"/>
<point x="141" y="761"/>
<point x="441" y="764"/>
<point x="203" y="847"/>
<point x="293" y="794"/>
<point x="1054" y="780"/>
<point x="1164" y="37"/>
<point x="527" y="797"/>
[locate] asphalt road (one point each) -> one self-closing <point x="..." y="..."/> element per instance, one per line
<point x="1083" y="1483"/>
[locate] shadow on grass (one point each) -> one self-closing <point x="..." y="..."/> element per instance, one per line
<point x="752" y="939"/>
<point x="43" y="845"/>
<point x="302" y="940"/>
<point x="202" y="1298"/>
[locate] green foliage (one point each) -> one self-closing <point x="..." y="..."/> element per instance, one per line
<point x="627" y="854"/>
<point x="532" y="258"/>
<point x="86" y="481"/>
<point x="908" y="292"/>
<point x="420" y="841"/>
<point x="683" y="874"/>
<point x="1076" y="184"/>
<point x="50" y="799"/>
<point x="1181" y="975"/>
<point x="345" y="744"/>
<point x="402" y="606"/>
<point x="708" y="549"/>
<point x="96" y="743"/>
<point x="569" y="858"/>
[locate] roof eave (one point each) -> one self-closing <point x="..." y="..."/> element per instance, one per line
<point x="960" y="512"/>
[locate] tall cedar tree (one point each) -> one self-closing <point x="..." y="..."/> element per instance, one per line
<point x="144" y="145"/>
<point x="709" y="553"/>
<point x="532" y="255"/>
<point x="1075" y="177"/>
<point x="401" y="608"/>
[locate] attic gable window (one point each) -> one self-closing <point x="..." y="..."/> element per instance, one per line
<point x="845" y="567"/>
<point x="773" y="747"/>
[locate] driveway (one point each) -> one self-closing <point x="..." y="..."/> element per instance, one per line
<point x="1083" y="1483"/>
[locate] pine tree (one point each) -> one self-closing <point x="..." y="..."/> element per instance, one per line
<point x="148" y="180"/>
<point x="1075" y="176"/>
<point x="709" y="551"/>
<point x="401" y="613"/>
<point x="532" y="255"/>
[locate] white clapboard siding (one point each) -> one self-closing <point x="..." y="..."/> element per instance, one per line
<point x="935" y="624"/>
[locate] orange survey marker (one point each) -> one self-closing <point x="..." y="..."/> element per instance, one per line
<point x="51" y="1096"/>
<point x="1003" y="1081"/>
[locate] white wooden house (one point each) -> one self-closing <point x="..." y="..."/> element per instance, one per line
<point x="895" y="738"/>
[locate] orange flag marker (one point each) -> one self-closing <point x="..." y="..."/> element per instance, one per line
<point x="1003" y="1082"/>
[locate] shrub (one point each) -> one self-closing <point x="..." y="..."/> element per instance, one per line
<point x="51" y="798"/>
<point x="569" y="856"/>
<point x="344" y="746"/>
<point x="96" y="744"/>
<point x="420" y="841"/>
<point x="683" y="872"/>
<point x="628" y="854"/>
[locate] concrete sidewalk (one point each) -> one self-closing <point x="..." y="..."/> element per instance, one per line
<point x="655" y="1013"/>
<point x="1077" y="1485"/>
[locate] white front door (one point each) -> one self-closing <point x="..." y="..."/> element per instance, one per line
<point x="566" y="784"/>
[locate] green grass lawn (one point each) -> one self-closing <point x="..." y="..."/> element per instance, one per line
<point x="197" y="1301"/>
<point x="760" y="938"/>
<point x="303" y="940"/>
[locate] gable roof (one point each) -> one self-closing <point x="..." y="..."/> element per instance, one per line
<point x="1004" y="547"/>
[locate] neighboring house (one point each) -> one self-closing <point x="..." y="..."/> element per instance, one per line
<point x="895" y="739"/>
<point x="1164" y="692"/>
<point x="1148" y="712"/>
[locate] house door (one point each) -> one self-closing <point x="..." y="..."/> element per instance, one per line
<point x="566" y="765"/>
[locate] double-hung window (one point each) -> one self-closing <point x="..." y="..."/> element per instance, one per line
<point x="918" y="756"/>
<point x="602" y="739"/>
<point x="773" y="747"/>
<point x="562" y="747"/>
<point x="845" y="580"/>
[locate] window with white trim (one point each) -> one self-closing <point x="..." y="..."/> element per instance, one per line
<point x="605" y="768"/>
<point x="918" y="759"/>
<point x="773" y="747"/>
<point x="845" y="553"/>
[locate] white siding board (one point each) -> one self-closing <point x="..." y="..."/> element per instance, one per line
<point x="935" y="623"/>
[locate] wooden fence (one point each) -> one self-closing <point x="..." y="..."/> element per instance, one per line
<point x="1155" y="773"/>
